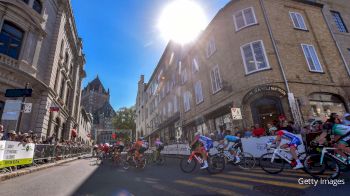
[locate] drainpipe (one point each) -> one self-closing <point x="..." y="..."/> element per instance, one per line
<point x="335" y="40"/>
<point x="292" y="102"/>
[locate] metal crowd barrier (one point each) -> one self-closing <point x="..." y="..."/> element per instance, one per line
<point x="45" y="152"/>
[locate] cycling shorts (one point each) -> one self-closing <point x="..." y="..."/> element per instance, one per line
<point x="295" y="142"/>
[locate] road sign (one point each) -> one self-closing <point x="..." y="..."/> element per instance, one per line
<point x="12" y="110"/>
<point x="18" y="92"/>
<point x="236" y="113"/>
<point x="27" y="108"/>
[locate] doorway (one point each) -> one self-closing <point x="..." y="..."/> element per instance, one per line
<point x="265" y="110"/>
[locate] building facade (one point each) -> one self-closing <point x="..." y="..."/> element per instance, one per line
<point x="95" y="100"/>
<point x="267" y="57"/>
<point x="85" y="127"/>
<point x="41" y="47"/>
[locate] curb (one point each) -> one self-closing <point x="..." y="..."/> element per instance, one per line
<point x="32" y="169"/>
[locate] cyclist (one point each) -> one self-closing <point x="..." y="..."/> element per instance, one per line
<point x="341" y="134"/>
<point x="346" y="119"/>
<point x="202" y="145"/>
<point x="236" y="143"/>
<point x="159" y="147"/>
<point x="140" y="147"/>
<point x="293" y="144"/>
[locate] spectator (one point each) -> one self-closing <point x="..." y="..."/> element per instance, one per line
<point x="219" y="134"/>
<point x="1" y="132"/>
<point x="12" y="136"/>
<point x="248" y="133"/>
<point x="271" y="129"/>
<point x="236" y="130"/>
<point x="258" y="131"/>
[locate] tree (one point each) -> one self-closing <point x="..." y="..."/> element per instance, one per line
<point x="125" y="119"/>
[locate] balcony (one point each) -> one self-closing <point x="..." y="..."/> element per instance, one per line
<point x="4" y="59"/>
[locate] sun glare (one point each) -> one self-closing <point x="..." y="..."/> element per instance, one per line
<point x="182" y="21"/>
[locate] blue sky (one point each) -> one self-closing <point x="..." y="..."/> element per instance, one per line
<point x="121" y="41"/>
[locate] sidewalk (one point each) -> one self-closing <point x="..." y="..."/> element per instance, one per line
<point x="31" y="169"/>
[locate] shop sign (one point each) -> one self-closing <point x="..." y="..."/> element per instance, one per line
<point x="236" y="113"/>
<point x="260" y="89"/>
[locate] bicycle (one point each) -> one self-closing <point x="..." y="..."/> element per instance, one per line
<point x="247" y="160"/>
<point x="325" y="164"/>
<point x="216" y="164"/>
<point x="131" y="161"/>
<point x="274" y="162"/>
<point x="155" y="157"/>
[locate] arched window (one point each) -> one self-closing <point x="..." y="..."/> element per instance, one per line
<point x="11" y="38"/>
<point x="37" y="6"/>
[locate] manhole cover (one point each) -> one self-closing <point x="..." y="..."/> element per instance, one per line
<point x="278" y="191"/>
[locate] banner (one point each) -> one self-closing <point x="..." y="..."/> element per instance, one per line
<point x="255" y="146"/>
<point x="15" y="153"/>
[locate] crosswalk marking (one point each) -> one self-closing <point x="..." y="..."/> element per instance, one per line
<point x="207" y="188"/>
<point x="283" y="173"/>
<point x="263" y="181"/>
<point x="229" y="183"/>
<point x="264" y="175"/>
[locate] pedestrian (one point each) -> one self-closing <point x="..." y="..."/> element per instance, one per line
<point x="258" y="131"/>
<point x="12" y="136"/>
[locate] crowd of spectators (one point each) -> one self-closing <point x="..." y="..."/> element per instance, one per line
<point x="31" y="137"/>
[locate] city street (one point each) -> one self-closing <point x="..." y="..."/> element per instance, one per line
<point x="83" y="178"/>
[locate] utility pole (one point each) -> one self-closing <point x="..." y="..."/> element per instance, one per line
<point x="22" y="107"/>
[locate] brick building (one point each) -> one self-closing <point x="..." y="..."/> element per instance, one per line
<point x="40" y="46"/>
<point x="266" y="57"/>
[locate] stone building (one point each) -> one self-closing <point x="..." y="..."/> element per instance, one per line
<point x="40" y="46"/>
<point x="267" y="57"/>
<point x="85" y="127"/>
<point x="95" y="100"/>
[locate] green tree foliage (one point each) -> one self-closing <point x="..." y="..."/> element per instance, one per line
<point x="124" y="119"/>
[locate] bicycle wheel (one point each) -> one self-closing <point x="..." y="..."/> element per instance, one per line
<point x="328" y="169"/>
<point x="161" y="159"/>
<point x="270" y="166"/>
<point x="216" y="164"/>
<point x="247" y="160"/>
<point x="187" y="165"/>
<point x="142" y="163"/>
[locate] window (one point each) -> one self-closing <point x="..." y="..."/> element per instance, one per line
<point x="62" y="87"/>
<point x="339" y="22"/>
<point x="195" y="65"/>
<point x="170" y="108"/>
<point x="298" y="20"/>
<point x="26" y="1"/>
<point x="184" y="76"/>
<point x="66" y="58"/>
<point x="175" y="104"/>
<point x="187" y="99"/>
<point x="244" y="18"/>
<point x="198" y="92"/>
<point x="311" y="58"/>
<point x="211" y="47"/>
<point x="11" y="40"/>
<point x="254" y="57"/>
<point x="37" y="6"/>
<point x="215" y="79"/>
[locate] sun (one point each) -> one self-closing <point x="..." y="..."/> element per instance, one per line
<point x="181" y="21"/>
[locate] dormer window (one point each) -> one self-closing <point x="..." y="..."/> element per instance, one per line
<point x="37" y="6"/>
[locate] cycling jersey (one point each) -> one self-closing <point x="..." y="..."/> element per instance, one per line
<point x="206" y="141"/>
<point x="231" y="138"/>
<point x="343" y="131"/>
<point x="294" y="140"/>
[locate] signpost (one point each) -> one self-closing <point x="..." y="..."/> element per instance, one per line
<point x="236" y="114"/>
<point x="27" y="108"/>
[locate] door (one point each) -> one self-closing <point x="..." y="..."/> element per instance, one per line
<point x="265" y="110"/>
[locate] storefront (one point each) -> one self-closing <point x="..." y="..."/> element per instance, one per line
<point x="323" y="104"/>
<point x="264" y="104"/>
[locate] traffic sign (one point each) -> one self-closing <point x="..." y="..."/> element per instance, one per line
<point x="18" y="92"/>
<point x="27" y="108"/>
<point x="236" y="113"/>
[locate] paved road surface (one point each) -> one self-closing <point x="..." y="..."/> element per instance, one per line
<point x="83" y="178"/>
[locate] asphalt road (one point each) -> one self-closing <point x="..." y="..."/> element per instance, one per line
<point x="83" y="178"/>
